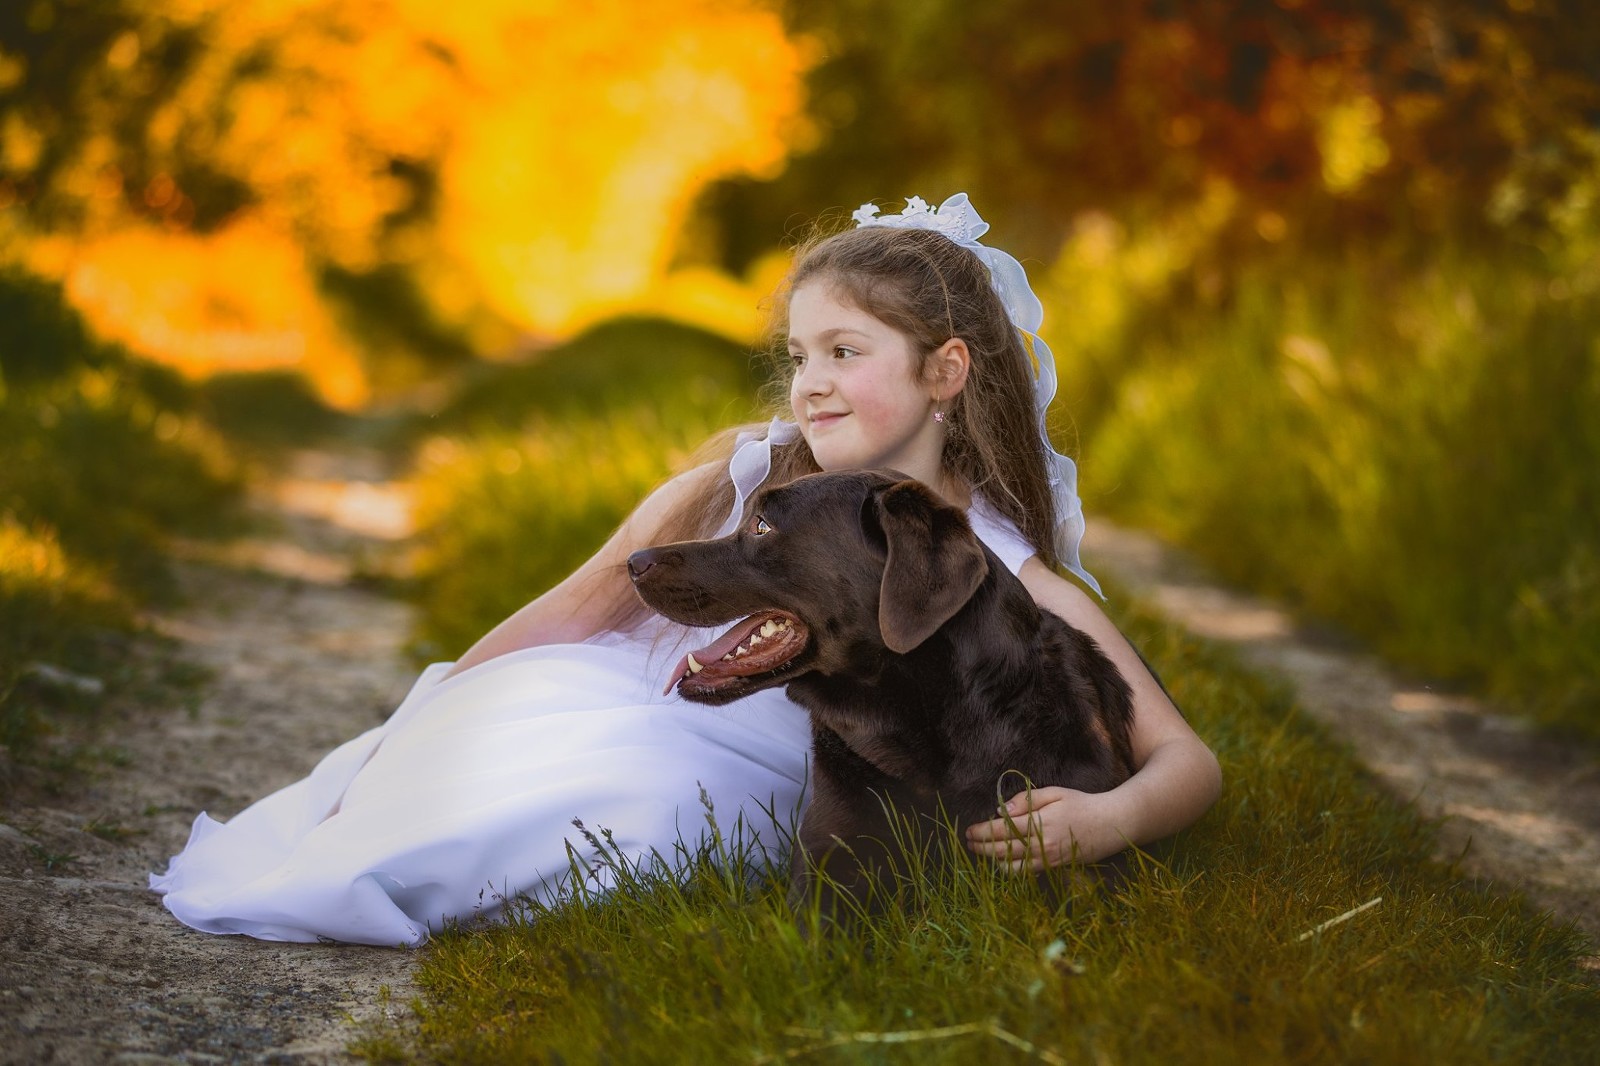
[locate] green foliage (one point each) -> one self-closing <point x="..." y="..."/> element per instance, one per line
<point x="52" y="611"/>
<point x="388" y="312"/>
<point x="41" y="336"/>
<point x="1408" y="450"/>
<point x="620" y="367"/>
<point x="504" y="517"/>
<point x="549" y="457"/>
<point x="266" y="409"/>
<point x="89" y="78"/>
<point x="112" y="472"/>
<point x="1203" y="958"/>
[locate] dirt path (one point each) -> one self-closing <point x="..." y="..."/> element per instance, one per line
<point x="95" y="970"/>
<point x="1523" y="808"/>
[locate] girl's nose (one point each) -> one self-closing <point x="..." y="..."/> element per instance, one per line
<point x="811" y="379"/>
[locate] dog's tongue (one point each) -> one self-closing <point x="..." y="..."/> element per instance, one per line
<point x="764" y="653"/>
<point x="714" y="650"/>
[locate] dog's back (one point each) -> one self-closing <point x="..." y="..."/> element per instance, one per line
<point x="1060" y="713"/>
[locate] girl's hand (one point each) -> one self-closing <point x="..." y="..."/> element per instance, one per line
<point x="1045" y="827"/>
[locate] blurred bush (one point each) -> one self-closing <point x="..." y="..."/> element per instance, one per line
<point x="624" y="364"/>
<point x="267" y="410"/>
<point x="55" y="611"/>
<point x="1406" y="446"/>
<point x="106" y="458"/>
<point x="41" y="337"/>
<point x="107" y="451"/>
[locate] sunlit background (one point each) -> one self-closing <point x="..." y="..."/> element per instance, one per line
<point x="1322" y="277"/>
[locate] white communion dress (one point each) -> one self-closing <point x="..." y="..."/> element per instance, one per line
<point x="464" y="800"/>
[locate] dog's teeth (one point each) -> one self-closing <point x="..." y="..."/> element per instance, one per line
<point x="768" y="628"/>
<point x="755" y="639"/>
<point x="741" y="650"/>
<point x="694" y="665"/>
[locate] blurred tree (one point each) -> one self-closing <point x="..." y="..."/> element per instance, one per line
<point x="73" y="76"/>
<point x="185" y="114"/>
<point x="218" y="125"/>
<point x="1338" y="118"/>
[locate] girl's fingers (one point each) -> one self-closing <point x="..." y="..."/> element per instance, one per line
<point x="1017" y="856"/>
<point x="1019" y="827"/>
<point x="1033" y="799"/>
<point x="984" y="831"/>
<point x="1006" y="850"/>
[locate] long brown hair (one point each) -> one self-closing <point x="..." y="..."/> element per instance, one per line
<point x="930" y="289"/>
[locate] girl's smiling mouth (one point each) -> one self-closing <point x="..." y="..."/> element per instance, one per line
<point x="824" y="419"/>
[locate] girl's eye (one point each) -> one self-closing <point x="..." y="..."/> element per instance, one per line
<point x="843" y="352"/>
<point x="760" y="528"/>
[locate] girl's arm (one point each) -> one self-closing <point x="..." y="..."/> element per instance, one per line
<point x="1176" y="782"/>
<point x="578" y="607"/>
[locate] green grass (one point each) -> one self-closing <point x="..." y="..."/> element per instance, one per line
<point x="1203" y="958"/>
<point x="1407" y="449"/>
<point x="113" y="471"/>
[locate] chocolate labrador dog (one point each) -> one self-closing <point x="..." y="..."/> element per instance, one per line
<point x="934" y="682"/>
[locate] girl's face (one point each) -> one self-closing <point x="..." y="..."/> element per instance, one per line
<point x="855" y="393"/>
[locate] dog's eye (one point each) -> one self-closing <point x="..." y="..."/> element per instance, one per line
<point x="760" y="528"/>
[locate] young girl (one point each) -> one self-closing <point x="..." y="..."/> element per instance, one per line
<point x="912" y="347"/>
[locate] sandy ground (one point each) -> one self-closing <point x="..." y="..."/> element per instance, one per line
<point x="94" y="970"/>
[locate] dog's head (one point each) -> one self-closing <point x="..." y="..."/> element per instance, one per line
<point x="831" y="573"/>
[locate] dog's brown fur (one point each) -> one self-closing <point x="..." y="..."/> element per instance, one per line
<point x="927" y="669"/>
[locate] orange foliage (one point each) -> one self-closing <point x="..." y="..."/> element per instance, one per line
<point x="584" y="140"/>
<point x="237" y="299"/>
<point x="568" y="140"/>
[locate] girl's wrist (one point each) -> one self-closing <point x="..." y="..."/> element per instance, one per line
<point x="1121" y="818"/>
<point x="1177" y="784"/>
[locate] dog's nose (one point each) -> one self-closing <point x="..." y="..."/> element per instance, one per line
<point x="640" y="561"/>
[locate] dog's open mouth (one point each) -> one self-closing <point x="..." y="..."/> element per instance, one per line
<point x="761" y="645"/>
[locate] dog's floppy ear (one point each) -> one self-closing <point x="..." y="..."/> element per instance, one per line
<point x="935" y="563"/>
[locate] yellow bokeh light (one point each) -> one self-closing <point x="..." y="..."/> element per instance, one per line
<point x="238" y="299"/>
<point x="1351" y="142"/>
<point x="588" y="139"/>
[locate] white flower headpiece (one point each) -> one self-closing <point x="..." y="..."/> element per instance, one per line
<point x="956" y="219"/>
